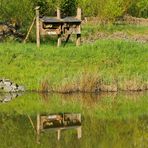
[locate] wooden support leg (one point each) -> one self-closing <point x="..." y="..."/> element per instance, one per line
<point x="78" y="41"/>
<point x="79" y="132"/>
<point x="59" y="40"/>
<point x="59" y="134"/>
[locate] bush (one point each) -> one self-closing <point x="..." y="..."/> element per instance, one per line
<point x="68" y="7"/>
<point x="104" y="9"/>
<point x="22" y="12"/>
<point x="139" y="8"/>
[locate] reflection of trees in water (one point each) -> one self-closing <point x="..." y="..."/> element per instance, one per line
<point x="7" y="97"/>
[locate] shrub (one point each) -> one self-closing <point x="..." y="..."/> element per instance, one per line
<point x="139" y="8"/>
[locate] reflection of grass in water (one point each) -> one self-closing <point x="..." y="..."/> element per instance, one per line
<point x="105" y="106"/>
<point x="106" y="65"/>
<point x="16" y="131"/>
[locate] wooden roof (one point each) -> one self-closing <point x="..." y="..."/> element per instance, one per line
<point x="51" y="20"/>
<point x="64" y="20"/>
<point x="71" y="20"/>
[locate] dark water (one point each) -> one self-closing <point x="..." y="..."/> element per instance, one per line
<point x="107" y="121"/>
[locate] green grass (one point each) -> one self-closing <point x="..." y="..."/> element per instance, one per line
<point x="88" y="29"/>
<point x="105" y="62"/>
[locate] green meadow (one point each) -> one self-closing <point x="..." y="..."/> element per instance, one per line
<point x="107" y="65"/>
<point x="92" y="28"/>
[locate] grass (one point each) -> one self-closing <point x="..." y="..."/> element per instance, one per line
<point x="110" y="28"/>
<point x="107" y="65"/>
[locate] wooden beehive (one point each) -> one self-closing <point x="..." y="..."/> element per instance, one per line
<point x="50" y="26"/>
<point x="58" y="26"/>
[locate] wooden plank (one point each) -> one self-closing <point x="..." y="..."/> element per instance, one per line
<point x="29" y="30"/>
<point x="61" y="128"/>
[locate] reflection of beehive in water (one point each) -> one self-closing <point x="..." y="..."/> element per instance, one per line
<point x="58" y="26"/>
<point x="60" y="120"/>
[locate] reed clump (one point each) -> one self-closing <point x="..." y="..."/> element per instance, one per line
<point x="84" y="82"/>
<point x="88" y="82"/>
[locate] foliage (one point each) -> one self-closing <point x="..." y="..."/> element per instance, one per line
<point x="104" y="9"/>
<point x="22" y="13"/>
<point x="139" y="8"/>
<point x="68" y="7"/>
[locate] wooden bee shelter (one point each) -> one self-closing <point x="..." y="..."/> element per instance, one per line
<point x="58" y="26"/>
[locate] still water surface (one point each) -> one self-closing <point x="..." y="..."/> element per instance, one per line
<point x="107" y="120"/>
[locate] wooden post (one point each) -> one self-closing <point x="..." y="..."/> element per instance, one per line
<point x="79" y="117"/>
<point x="59" y="35"/>
<point x="59" y="40"/>
<point x="58" y="13"/>
<point x="37" y="27"/>
<point x="79" y="132"/>
<point x="78" y="41"/>
<point x="78" y="13"/>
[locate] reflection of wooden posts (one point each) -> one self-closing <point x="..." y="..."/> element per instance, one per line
<point x="38" y="127"/>
<point x="78" y="40"/>
<point x="38" y="124"/>
<point x="59" y="134"/>
<point x="79" y="132"/>
<point x="37" y="27"/>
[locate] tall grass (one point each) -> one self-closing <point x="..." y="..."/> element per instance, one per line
<point x="106" y="65"/>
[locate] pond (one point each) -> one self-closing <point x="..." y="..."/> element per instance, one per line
<point x="106" y="120"/>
